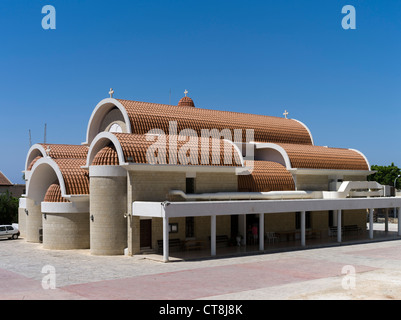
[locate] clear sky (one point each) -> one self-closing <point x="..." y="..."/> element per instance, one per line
<point x="249" y="56"/>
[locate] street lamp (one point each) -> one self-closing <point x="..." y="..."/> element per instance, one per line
<point x="395" y="180"/>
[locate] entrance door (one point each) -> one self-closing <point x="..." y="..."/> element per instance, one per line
<point x="252" y="221"/>
<point x="146" y="233"/>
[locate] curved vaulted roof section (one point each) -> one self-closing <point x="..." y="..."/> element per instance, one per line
<point x="146" y="116"/>
<point x="56" y="151"/>
<point x="67" y="173"/>
<point x="106" y="157"/>
<point x="102" y="142"/>
<point x="123" y="148"/>
<point x="266" y="176"/>
<point x="99" y="113"/>
<point x="53" y="194"/>
<point x="140" y="117"/>
<point x="313" y="157"/>
<point x="76" y="178"/>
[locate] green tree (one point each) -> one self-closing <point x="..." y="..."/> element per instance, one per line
<point x="386" y="175"/>
<point x="8" y="208"/>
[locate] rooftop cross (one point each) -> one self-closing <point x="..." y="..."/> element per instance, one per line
<point x="111" y="92"/>
<point x="285" y="114"/>
<point x="186" y="92"/>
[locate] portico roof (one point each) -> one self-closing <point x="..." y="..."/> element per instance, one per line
<point x="219" y="208"/>
<point x="167" y="210"/>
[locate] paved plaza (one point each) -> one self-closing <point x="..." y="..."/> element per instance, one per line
<point x="359" y="271"/>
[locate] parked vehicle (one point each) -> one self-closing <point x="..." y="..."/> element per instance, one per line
<point x="8" y="231"/>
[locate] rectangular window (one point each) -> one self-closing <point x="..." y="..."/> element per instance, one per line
<point x="173" y="227"/>
<point x="190" y="185"/>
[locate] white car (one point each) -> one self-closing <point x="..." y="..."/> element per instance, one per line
<point x="8" y="231"/>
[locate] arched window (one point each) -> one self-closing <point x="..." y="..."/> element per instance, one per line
<point x="115" y="127"/>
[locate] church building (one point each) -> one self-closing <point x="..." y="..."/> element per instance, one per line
<point x="151" y="176"/>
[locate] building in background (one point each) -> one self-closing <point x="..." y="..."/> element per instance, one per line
<point x="15" y="190"/>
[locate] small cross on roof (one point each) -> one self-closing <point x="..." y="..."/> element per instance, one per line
<point x="111" y="92"/>
<point x="285" y="114"/>
<point x="186" y="92"/>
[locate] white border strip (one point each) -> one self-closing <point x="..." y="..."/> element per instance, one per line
<point x="99" y="142"/>
<point x="310" y="134"/>
<point x="366" y="159"/>
<point x="64" y="207"/>
<point x="98" y="115"/>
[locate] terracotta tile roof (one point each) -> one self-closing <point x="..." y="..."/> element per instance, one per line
<point x="135" y="148"/>
<point x="53" y="194"/>
<point x="315" y="157"/>
<point x="106" y="157"/>
<point x="186" y="102"/>
<point x="145" y="116"/>
<point x="4" y="180"/>
<point x="76" y="179"/>
<point x="33" y="162"/>
<point x="63" y="151"/>
<point x="266" y="176"/>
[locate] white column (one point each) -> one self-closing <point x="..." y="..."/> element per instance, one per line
<point x="165" y="239"/>
<point x="303" y="228"/>
<point x="339" y="226"/>
<point x="261" y="231"/>
<point x="213" y="235"/>
<point x="399" y="221"/>
<point x="371" y="223"/>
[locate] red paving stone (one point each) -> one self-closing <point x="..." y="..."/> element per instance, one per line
<point x="17" y="287"/>
<point x="210" y="281"/>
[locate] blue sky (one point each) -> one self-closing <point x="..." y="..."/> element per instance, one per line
<point x="257" y="57"/>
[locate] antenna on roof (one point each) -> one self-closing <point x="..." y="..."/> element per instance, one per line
<point x="44" y="138"/>
<point x="30" y="138"/>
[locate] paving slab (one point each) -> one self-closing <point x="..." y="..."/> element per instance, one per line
<point x="302" y="274"/>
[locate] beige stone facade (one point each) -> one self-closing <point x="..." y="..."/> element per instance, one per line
<point x="108" y="199"/>
<point x="64" y="231"/>
<point x="33" y="221"/>
<point x="22" y="221"/>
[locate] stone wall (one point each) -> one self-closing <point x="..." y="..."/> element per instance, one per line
<point x="108" y="204"/>
<point x="33" y="221"/>
<point x="63" y="231"/>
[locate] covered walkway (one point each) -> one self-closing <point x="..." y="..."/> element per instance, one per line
<point x="379" y="234"/>
<point x="168" y="210"/>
